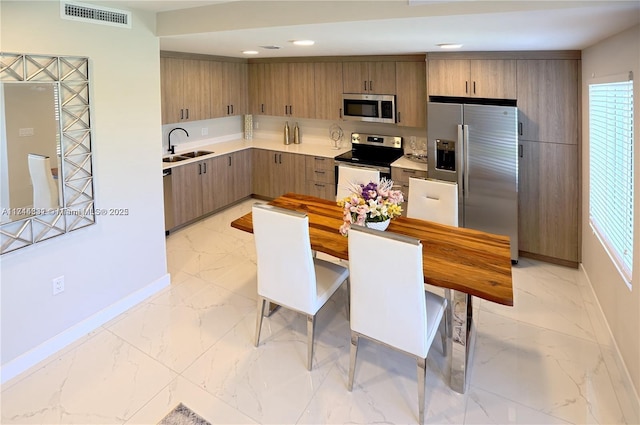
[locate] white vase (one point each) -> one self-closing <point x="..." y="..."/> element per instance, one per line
<point x="378" y="225"/>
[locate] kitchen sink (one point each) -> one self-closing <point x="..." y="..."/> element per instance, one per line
<point x="174" y="158"/>
<point x="195" y="154"/>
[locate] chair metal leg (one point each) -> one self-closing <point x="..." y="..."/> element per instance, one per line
<point x="444" y="331"/>
<point x="448" y="314"/>
<point x="311" y="322"/>
<point x="352" y="359"/>
<point x="348" y="299"/>
<point x="422" y="373"/>
<point x="259" y="316"/>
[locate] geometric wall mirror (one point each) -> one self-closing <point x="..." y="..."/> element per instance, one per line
<point x="46" y="175"/>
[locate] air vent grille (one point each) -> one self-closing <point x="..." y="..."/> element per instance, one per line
<point x="94" y="14"/>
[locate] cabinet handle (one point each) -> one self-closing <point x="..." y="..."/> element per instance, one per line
<point x="290" y="109"/>
<point x="399" y="117"/>
<point x="187" y="113"/>
<point x="466" y="87"/>
<point x="317" y="158"/>
<point x="341" y="113"/>
<point x="365" y="85"/>
<point x="520" y="150"/>
<point x="275" y="158"/>
<point x="262" y="108"/>
<point x="520" y="128"/>
<point x="229" y="160"/>
<point x="318" y="185"/>
<point x="370" y="85"/>
<point x="231" y="109"/>
<point x="320" y="172"/>
<point x="181" y="114"/>
<point x="227" y="109"/>
<point x="199" y="168"/>
<point x="474" y="87"/>
<point x="280" y="158"/>
<point x="408" y="171"/>
<point x="204" y="166"/>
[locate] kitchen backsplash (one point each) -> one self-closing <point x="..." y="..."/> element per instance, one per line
<point x="268" y="127"/>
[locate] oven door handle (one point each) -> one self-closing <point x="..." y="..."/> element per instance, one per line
<point x="365" y="166"/>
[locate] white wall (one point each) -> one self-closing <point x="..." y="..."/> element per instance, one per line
<point x="621" y="305"/>
<point x="115" y="262"/>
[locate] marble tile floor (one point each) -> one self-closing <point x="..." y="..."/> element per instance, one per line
<point x="540" y="362"/>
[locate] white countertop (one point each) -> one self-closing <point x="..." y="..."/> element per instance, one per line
<point x="316" y="149"/>
<point x="410" y="165"/>
<point x="224" y="148"/>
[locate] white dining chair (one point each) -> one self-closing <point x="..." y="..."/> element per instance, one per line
<point x="45" y="189"/>
<point x="388" y="302"/>
<point x="288" y="275"/>
<point x="347" y="176"/>
<point x="433" y="200"/>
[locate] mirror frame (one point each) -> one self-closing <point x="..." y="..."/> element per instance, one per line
<point x="72" y="74"/>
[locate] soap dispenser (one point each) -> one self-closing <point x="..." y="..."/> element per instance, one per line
<point x="286" y="133"/>
<point x="296" y="134"/>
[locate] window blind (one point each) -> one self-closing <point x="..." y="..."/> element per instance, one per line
<point x="611" y="170"/>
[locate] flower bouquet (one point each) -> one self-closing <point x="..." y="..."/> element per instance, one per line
<point x="371" y="203"/>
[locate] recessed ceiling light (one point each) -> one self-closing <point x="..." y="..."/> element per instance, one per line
<point x="303" y="42"/>
<point x="449" y="45"/>
<point x="250" y="52"/>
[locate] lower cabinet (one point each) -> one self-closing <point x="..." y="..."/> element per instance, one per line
<point x="320" y="177"/>
<point x="400" y="177"/>
<point x="276" y="173"/>
<point x="188" y="189"/>
<point x="548" y="196"/>
<point x="205" y="186"/>
<point x="232" y="179"/>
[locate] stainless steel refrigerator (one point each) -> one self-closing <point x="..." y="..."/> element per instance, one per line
<point x="476" y="145"/>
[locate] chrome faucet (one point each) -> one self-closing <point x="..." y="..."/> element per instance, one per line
<point x="172" y="148"/>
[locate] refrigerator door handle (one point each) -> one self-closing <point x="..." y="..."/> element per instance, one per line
<point x="460" y="160"/>
<point x="463" y="135"/>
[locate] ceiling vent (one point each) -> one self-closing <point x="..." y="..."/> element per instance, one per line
<point x="95" y="14"/>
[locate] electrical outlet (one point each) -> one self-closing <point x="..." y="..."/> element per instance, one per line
<point x="58" y="285"/>
<point x="205" y="131"/>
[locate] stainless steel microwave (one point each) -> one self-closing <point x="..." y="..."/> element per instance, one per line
<point x="369" y="107"/>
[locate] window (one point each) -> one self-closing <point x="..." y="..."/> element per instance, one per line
<point x="611" y="170"/>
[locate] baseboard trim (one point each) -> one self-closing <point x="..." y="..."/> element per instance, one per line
<point x="619" y="361"/>
<point x="547" y="259"/>
<point x="34" y="356"/>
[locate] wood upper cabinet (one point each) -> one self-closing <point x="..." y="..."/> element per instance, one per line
<point x="487" y="78"/>
<point x="234" y="76"/>
<point x="328" y="90"/>
<point x="548" y="99"/>
<point x="369" y="77"/>
<point x="292" y="89"/>
<point x="260" y="97"/>
<point x="185" y="90"/>
<point x="411" y="94"/>
<point x="229" y="88"/>
<point x="548" y="207"/>
<point x="276" y="173"/>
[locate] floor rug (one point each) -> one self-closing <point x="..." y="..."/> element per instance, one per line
<point x="182" y="415"/>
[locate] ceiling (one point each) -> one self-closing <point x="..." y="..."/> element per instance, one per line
<point x="379" y="27"/>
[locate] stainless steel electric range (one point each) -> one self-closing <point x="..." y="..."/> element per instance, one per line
<point x="371" y="151"/>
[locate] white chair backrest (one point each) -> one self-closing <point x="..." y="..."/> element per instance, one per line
<point x="45" y="189"/>
<point x="433" y="200"/>
<point x="347" y="176"/>
<point x="286" y="273"/>
<point x="387" y="289"/>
